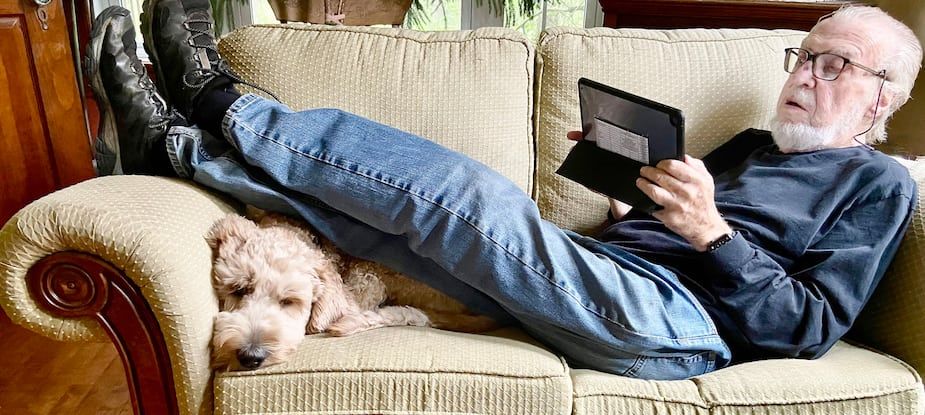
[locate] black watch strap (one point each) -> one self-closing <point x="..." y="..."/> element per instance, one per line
<point x="722" y="240"/>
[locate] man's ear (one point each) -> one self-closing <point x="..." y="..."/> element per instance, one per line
<point x="883" y="106"/>
<point x="229" y="233"/>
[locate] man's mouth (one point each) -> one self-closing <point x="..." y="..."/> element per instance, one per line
<point x="795" y="105"/>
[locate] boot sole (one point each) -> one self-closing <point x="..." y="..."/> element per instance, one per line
<point x="147" y="16"/>
<point x="108" y="132"/>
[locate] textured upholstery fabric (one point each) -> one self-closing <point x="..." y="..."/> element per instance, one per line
<point x="847" y="380"/>
<point x="893" y="319"/>
<point x="132" y="222"/>
<point x="602" y="394"/>
<point x="723" y="80"/>
<point x="405" y="370"/>
<point x="471" y="91"/>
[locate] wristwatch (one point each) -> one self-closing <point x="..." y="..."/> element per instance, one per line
<point x="722" y="240"/>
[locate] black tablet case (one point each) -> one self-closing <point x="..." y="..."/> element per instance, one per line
<point x="612" y="174"/>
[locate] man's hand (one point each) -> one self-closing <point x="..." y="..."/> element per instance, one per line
<point x="617" y="208"/>
<point x="685" y="190"/>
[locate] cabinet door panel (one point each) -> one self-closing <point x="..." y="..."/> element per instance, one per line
<point x="27" y="169"/>
<point x="44" y="144"/>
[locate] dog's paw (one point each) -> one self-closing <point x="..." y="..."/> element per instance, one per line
<point x="354" y="323"/>
<point x="382" y="317"/>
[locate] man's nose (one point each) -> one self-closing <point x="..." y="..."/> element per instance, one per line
<point x="804" y="74"/>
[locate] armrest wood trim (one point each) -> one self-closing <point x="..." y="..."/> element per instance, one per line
<point x="75" y="284"/>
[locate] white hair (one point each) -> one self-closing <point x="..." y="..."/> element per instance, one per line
<point x="901" y="58"/>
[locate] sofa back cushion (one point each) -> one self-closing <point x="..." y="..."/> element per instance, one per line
<point x="471" y="91"/>
<point x="723" y="80"/>
<point x="892" y="320"/>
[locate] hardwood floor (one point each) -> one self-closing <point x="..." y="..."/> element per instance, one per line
<point x="43" y="376"/>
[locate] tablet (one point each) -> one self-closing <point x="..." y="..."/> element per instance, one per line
<point x="622" y="132"/>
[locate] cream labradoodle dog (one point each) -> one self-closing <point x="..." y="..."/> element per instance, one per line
<point x="277" y="281"/>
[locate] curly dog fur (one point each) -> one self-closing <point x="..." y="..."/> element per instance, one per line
<point x="276" y="280"/>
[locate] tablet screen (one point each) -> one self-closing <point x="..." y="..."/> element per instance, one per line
<point x="631" y="126"/>
<point x="622" y="132"/>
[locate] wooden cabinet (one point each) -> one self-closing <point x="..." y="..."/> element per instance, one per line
<point x="674" y="14"/>
<point x="44" y="143"/>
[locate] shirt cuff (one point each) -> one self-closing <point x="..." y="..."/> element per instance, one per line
<point x="731" y="257"/>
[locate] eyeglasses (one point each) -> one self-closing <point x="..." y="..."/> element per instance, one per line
<point x="825" y="66"/>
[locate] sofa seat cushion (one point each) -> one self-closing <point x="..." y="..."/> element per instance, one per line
<point x="847" y="380"/>
<point x="405" y="370"/>
<point x="471" y="91"/>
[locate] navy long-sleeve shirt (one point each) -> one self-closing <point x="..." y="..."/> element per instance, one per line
<point x="816" y="232"/>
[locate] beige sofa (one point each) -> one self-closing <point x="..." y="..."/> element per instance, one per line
<point x="124" y="257"/>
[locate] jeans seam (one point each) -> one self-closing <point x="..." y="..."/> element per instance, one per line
<point x="233" y="119"/>
<point x="707" y="357"/>
<point x="239" y="104"/>
<point x="711" y="363"/>
<point x="635" y="367"/>
<point x="174" y="157"/>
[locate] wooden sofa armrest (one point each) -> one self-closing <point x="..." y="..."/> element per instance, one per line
<point x="122" y="258"/>
<point x="73" y="284"/>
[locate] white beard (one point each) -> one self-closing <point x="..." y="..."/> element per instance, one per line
<point x="793" y="137"/>
<point x="797" y="138"/>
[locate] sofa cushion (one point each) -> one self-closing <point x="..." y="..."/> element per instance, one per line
<point x="723" y="80"/>
<point x="471" y="91"/>
<point x="893" y="318"/>
<point x="405" y="370"/>
<point x="846" y="380"/>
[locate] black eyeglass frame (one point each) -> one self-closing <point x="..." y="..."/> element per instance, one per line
<point x="811" y="57"/>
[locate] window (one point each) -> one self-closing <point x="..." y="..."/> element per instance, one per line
<point x="466" y="14"/>
<point x="569" y="13"/>
<point x="133" y="6"/>
<point x="438" y="15"/>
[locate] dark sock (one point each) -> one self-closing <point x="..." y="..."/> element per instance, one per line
<point x="161" y="161"/>
<point x="211" y="107"/>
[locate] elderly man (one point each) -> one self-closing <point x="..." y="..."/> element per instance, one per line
<point x="767" y="249"/>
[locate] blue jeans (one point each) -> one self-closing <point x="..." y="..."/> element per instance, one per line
<point x="440" y="217"/>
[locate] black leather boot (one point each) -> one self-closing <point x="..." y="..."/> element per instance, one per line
<point x="181" y="44"/>
<point x="133" y="117"/>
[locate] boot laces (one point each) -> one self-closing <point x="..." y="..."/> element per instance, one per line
<point x="161" y="117"/>
<point x="199" y="77"/>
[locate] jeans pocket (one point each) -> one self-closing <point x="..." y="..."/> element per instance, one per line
<point x="673" y="368"/>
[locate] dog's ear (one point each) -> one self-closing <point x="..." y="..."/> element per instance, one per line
<point x="331" y="299"/>
<point x="228" y="233"/>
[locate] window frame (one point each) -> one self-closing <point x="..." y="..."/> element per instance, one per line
<point x="473" y="16"/>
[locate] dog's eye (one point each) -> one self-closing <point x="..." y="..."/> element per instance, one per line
<point x="241" y="292"/>
<point x="286" y="302"/>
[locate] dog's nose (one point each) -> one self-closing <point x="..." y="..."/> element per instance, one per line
<point x="251" y="358"/>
